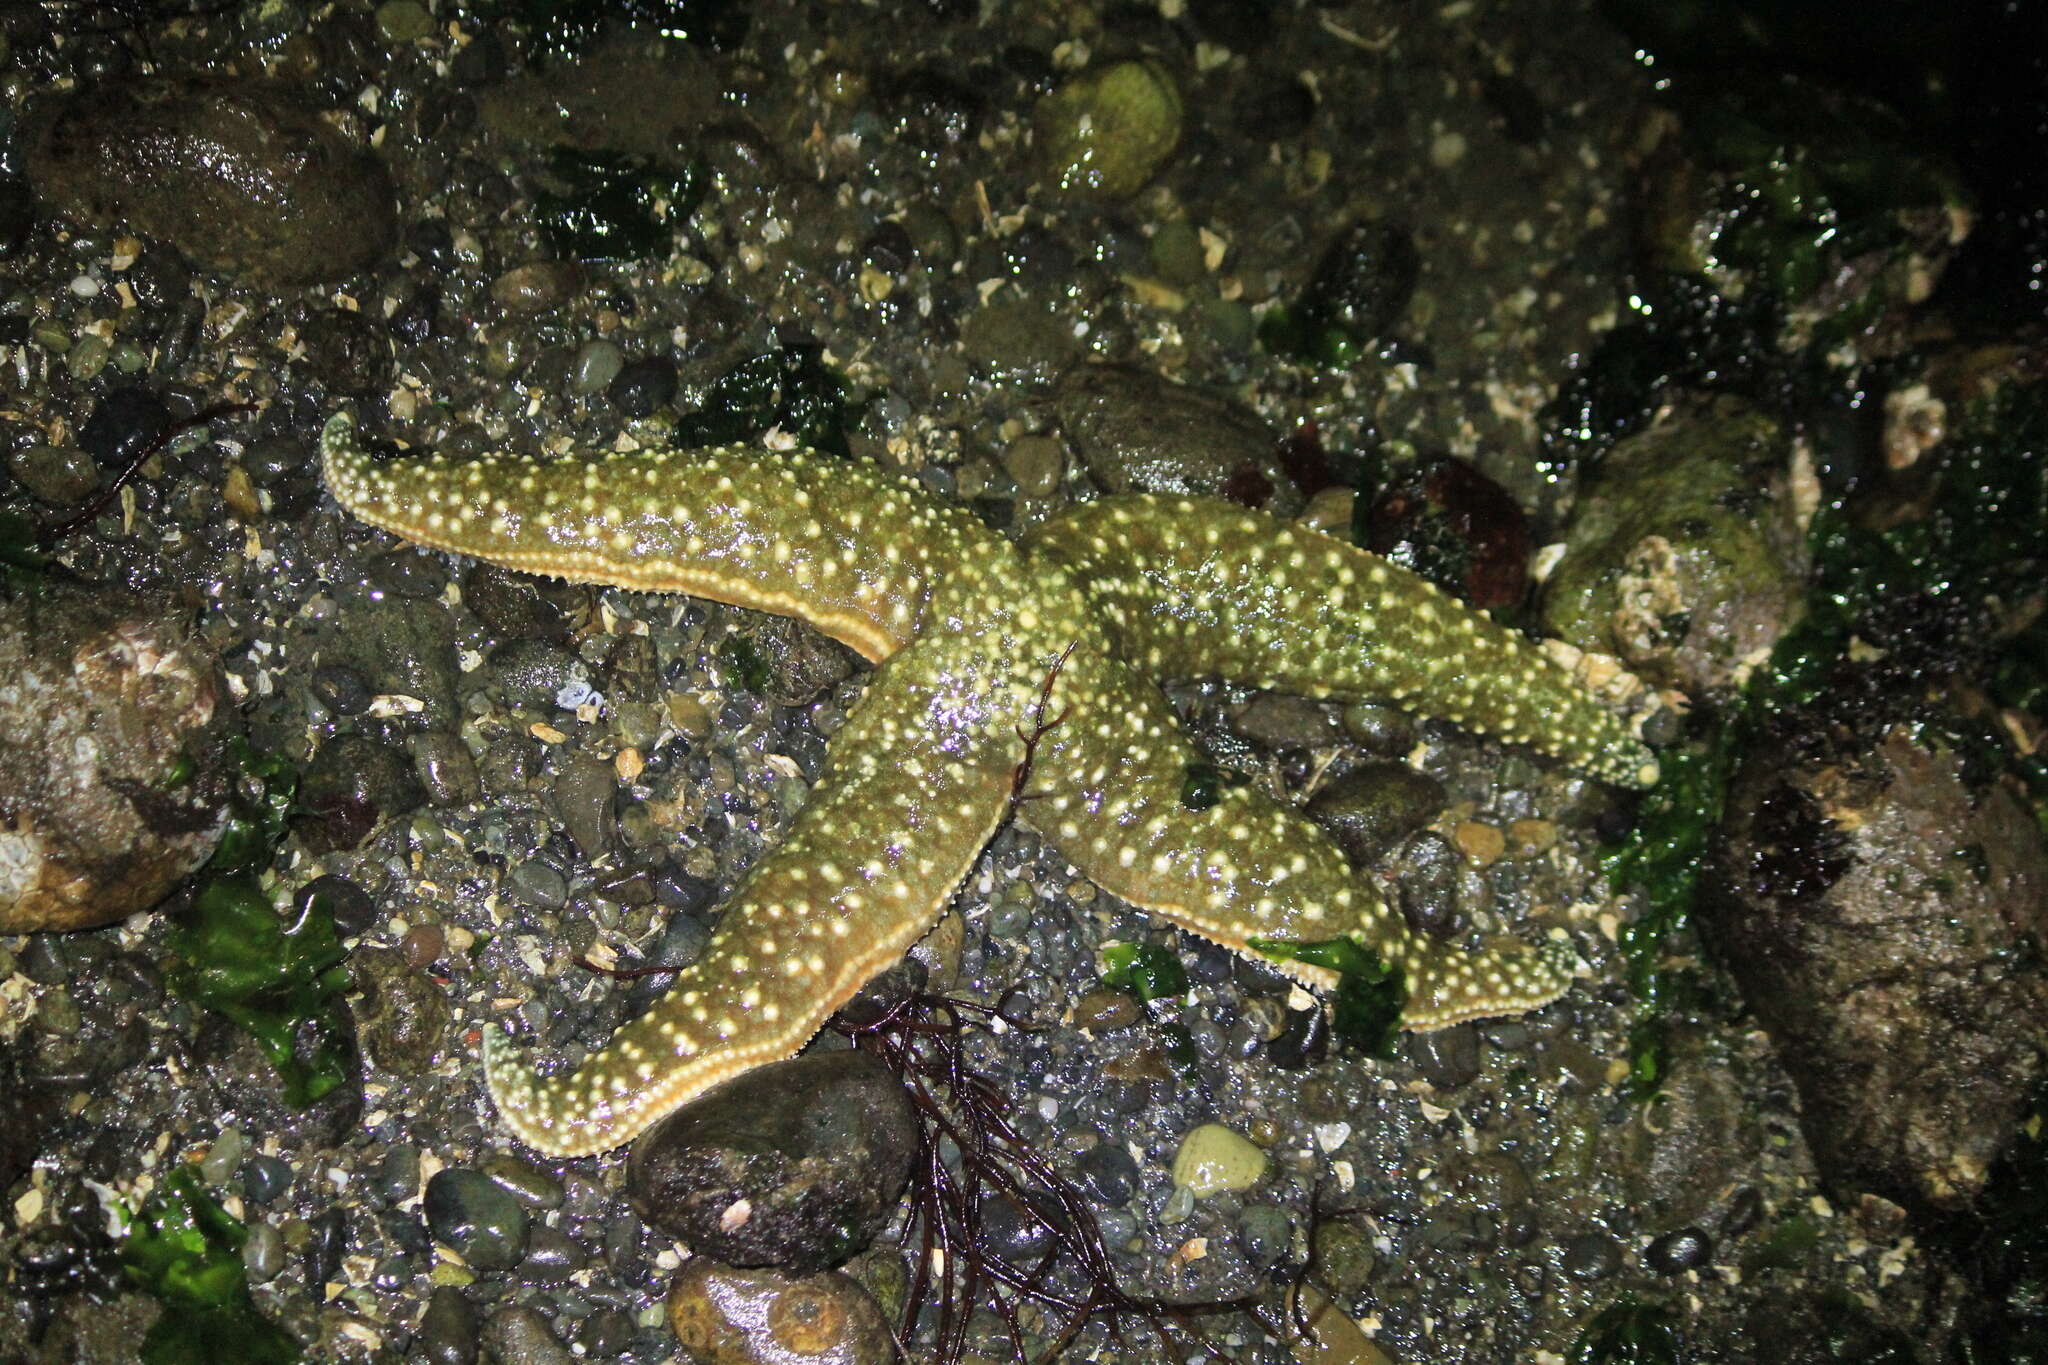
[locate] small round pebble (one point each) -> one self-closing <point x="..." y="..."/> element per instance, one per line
<point x="521" y="1336"/>
<point x="1108" y="1173"/>
<point x="1482" y="843"/>
<point x="263" y="1252"/>
<point x="1677" y="1252"/>
<point x="478" y="1218"/>
<point x="448" y="1330"/>
<point x="597" y="364"/>
<point x="1266" y="1233"/>
<point x="1213" y="1158"/>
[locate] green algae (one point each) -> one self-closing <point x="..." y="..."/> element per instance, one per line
<point x="186" y="1251"/>
<point x="278" y="976"/>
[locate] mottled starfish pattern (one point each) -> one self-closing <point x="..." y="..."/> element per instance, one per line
<point x="976" y="641"/>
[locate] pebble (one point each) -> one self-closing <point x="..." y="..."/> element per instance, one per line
<point x="353" y="910"/>
<point x="1531" y="838"/>
<point x="396" y="1177"/>
<point x="1035" y="463"/>
<point x="1103" y="1009"/>
<point x="122" y="423"/>
<point x="551" y="1254"/>
<point x="263" y="1252"/>
<point x="264" y="1178"/>
<point x="404" y="21"/>
<point x="448" y="1330"/>
<point x="797" y="1165"/>
<point x="326" y="1240"/>
<point x="521" y="1336"/>
<point x="597" y="364"/>
<point x="1108" y="1173"/>
<point x="524" y="1181"/>
<point x="1482" y="843"/>
<point x="1680" y="1251"/>
<point x="60" y="475"/>
<point x="479" y="1218"/>
<point x="88" y="358"/>
<point x="341" y="689"/>
<point x="1213" y="1158"/>
<point x="1265" y="1233"/>
<point x="1448" y="1057"/>
<point x="723" y="1316"/>
<point x="537" y="287"/>
<point x="1373" y="807"/>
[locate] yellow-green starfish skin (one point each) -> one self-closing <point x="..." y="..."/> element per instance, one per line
<point x="976" y="641"/>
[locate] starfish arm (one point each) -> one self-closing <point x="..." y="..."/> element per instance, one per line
<point x="1107" y="786"/>
<point x="1198" y="588"/>
<point x="920" y="778"/>
<point x="846" y="546"/>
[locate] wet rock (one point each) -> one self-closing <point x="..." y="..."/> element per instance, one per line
<point x="114" y="722"/>
<point x="1879" y="915"/>
<point x="403" y="1014"/>
<point x="25" y="1120"/>
<point x="1019" y="335"/>
<point x="1107" y="132"/>
<point x="521" y="1336"/>
<point x="448" y="1330"/>
<point x="1684" y="556"/>
<point x="484" y="1223"/>
<point x="1371" y="808"/>
<point x="1139" y="433"/>
<point x="1674" y="1253"/>
<point x="59" y="475"/>
<point x="351" y="785"/>
<point x="1446" y="1057"/>
<point x="586" y="793"/>
<point x="1459" y="529"/>
<point x="1213" y="1159"/>
<point x="1362" y="285"/>
<point x="538" y="674"/>
<point x="446" y="769"/>
<point x="797" y="1165"/>
<point x="723" y="1316"/>
<point x="239" y="177"/>
<point x="537" y="287"/>
<point x="801" y="662"/>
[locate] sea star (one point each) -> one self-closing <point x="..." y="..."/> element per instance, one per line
<point x="980" y="646"/>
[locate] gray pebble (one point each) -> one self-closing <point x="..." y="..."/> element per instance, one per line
<point x="521" y="1336"/>
<point x="1266" y="1233"/>
<point x="263" y="1253"/>
<point x="446" y="769"/>
<point x="597" y="364"/>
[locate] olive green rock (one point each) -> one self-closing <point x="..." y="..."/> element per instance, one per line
<point x="1684" y="556"/>
<point x="1213" y="1159"/>
<point x="241" y="178"/>
<point x="1107" y="132"/>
